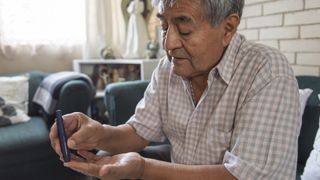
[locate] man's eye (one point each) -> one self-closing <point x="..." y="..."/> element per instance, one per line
<point x="185" y="33"/>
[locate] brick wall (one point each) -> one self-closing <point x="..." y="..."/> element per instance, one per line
<point x="293" y="26"/>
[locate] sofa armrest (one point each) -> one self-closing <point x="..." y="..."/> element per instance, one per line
<point x="121" y="100"/>
<point x="75" y="96"/>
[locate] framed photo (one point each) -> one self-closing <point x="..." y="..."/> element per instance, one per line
<point x="103" y="74"/>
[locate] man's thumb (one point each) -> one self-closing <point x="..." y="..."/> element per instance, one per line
<point x="76" y="139"/>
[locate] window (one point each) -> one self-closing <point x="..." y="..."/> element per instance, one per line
<point x="42" y="22"/>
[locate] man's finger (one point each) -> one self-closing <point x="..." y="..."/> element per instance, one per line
<point x="76" y="141"/>
<point x="77" y="158"/>
<point x="54" y="140"/>
<point x="71" y="123"/>
<point x="53" y="131"/>
<point x="89" y="156"/>
<point x="84" y="167"/>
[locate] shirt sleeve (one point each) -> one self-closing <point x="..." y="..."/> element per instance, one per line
<point x="266" y="129"/>
<point x="147" y="118"/>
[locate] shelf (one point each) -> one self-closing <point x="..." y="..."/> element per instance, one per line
<point x="103" y="72"/>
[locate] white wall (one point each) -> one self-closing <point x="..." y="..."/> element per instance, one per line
<point x="293" y="26"/>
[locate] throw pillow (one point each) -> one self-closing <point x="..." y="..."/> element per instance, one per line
<point x="312" y="168"/>
<point x="304" y="95"/>
<point x="13" y="99"/>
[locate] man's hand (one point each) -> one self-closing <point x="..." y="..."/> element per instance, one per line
<point x="121" y="166"/>
<point x="82" y="132"/>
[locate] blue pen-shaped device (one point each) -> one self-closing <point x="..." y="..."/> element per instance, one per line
<point x="62" y="137"/>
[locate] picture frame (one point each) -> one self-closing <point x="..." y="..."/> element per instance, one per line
<point x="103" y="74"/>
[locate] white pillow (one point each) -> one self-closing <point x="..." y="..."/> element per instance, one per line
<point x="304" y="95"/>
<point x="14" y="92"/>
<point x="312" y="168"/>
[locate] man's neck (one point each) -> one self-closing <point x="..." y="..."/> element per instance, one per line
<point x="198" y="85"/>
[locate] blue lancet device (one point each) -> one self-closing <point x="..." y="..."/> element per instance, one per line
<point x="62" y="137"/>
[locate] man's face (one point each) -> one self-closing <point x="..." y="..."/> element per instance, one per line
<point x="193" y="46"/>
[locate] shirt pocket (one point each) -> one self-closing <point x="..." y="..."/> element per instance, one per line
<point x="218" y="139"/>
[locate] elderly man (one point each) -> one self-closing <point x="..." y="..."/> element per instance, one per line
<point x="228" y="107"/>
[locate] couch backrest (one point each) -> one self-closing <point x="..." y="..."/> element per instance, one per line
<point x="310" y="119"/>
<point x="121" y="100"/>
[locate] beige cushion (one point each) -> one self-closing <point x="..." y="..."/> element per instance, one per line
<point x="14" y="99"/>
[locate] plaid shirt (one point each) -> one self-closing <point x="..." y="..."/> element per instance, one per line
<point x="247" y="118"/>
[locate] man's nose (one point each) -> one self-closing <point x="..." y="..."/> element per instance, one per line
<point x="172" y="39"/>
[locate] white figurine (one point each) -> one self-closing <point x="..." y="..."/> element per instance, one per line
<point x="137" y="35"/>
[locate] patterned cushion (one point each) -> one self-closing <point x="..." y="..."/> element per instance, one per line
<point x="13" y="100"/>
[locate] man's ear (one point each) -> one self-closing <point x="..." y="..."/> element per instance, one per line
<point x="230" y="27"/>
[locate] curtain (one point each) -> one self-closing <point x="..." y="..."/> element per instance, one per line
<point x="105" y="27"/>
<point x="46" y="29"/>
<point x="31" y="28"/>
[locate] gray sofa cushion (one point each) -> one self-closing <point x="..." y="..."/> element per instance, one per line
<point x="19" y="142"/>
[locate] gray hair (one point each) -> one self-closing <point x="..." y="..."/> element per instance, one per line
<point x="214" y="10"/>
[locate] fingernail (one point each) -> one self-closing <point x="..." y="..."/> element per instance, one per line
<point x="71" y="143"/>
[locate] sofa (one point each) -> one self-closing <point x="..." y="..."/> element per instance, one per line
<point x="310" y="120"/>
<point x="121" y="99"/>
<point x="25" y="150"/>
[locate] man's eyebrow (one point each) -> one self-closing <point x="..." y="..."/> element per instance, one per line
<point x="182" y="19"/>
<point x="179" y="19"/>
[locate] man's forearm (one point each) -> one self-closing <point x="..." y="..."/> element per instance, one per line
<point x="121" y="139"/>
<point x="166" y="171"/>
